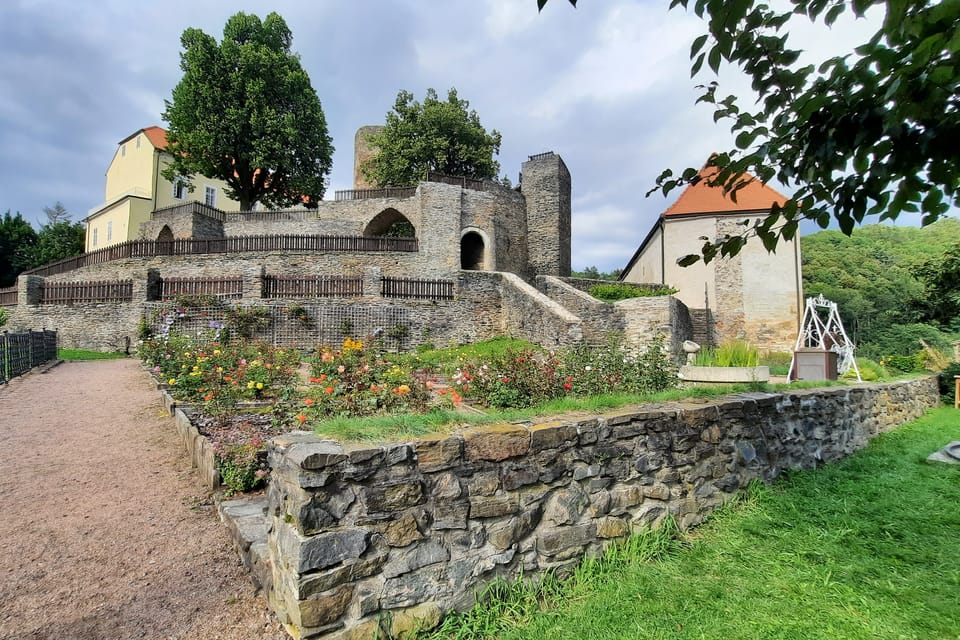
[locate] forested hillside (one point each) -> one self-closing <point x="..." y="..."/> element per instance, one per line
<point x="894" y="285"/>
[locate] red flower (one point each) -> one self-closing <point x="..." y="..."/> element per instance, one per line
<point x="302" y="418"/>
<point x="567" y="386"/>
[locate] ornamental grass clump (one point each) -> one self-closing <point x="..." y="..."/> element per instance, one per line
<point x="737" y="353"/>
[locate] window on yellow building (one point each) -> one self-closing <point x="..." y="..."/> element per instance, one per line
<point x="109" y="230"/>
<point x="123" y="151"/>
<point x="94" y="236"/>
<point x="179" y="189"/>
<point x="210" y="196"/>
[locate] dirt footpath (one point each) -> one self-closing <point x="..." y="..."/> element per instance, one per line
<point x="105" y="531"/>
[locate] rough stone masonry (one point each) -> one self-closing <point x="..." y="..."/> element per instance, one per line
<point x="360" y="534"/>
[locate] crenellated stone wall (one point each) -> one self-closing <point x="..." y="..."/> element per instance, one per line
<point x="360" y="534"/>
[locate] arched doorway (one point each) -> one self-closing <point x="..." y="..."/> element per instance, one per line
<point x="390" y="223"/>
<point x="471" y="251"/>
<point x="165" y="241"/>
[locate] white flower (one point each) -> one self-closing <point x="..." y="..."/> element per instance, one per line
<point x="588" y="368"/>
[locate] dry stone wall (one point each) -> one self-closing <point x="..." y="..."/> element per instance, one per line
<point x="362" y="533"/>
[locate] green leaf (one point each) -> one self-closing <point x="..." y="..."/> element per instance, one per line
<point x="688" y="260"/>
<point x="713" y="60"/>
<point x="697" y="45"/>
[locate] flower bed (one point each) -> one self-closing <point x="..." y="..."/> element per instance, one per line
<point x="359" y="379"/>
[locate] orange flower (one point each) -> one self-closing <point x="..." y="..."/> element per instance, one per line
<point x="329" y="390"/>
<point x="374" y="387"/>
<point x="308" y="401"/>
<point x="208" y="397"/>
<point x="302" y="418"/>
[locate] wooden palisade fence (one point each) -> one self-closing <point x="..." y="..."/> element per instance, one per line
<point x="235" y="244"/>
<point x="229" y="287"/>
<point x="312" y="287"/>
<point x="418" y="288"/>
<point x="99" y="291"/>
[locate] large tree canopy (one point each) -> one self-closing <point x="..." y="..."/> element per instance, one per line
<point x="436" y="135"/>
<point x="18" y="243"/>
<point x="867" y="133"/>
<point x="245" y="112"/>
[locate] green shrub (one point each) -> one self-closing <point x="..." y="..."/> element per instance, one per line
<point x="903" y="340"/>
<point x="904" y="364"/>
<point x="948" y="385"/>
<point x="870" y="371"/>
<point x="624" y="290"/>
<point x="3" y="316"/>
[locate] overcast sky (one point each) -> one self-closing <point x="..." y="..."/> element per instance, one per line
<point x="605" y="85"/>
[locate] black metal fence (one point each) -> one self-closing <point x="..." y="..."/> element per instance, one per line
<point x="20" y="352"/>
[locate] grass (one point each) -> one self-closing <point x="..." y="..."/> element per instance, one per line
<point x="385" y="428"/>
<point x="864" y="548"/>
<point x="83" y="354"/>
<point x="447" y="360"/>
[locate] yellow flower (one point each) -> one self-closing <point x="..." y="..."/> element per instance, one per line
<point x="172" y="381"/>
<point x="250" y="385"/>
<point x="216" y="352"/>
<point x="259" y="385"/>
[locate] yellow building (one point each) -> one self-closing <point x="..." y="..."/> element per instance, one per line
<point x="135" y="188"/>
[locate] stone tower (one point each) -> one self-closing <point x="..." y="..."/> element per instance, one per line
<point x="362" y="151"/>
<point x="545" y="184"/>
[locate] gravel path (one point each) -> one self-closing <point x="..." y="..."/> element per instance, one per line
<point x="105" y="531"/>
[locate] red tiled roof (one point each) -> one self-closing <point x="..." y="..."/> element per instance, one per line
<point x="156" y="135"/>
<point x="702" y="198"/>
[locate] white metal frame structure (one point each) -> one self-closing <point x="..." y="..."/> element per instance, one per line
<point x="827" y="335"/>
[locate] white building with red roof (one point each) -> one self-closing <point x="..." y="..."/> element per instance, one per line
<point x="755" y="295"/>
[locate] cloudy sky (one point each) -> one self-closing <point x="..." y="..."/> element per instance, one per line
<point x="605" y="85"/>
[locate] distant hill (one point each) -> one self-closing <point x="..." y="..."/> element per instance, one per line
<point x="870" y="275"/>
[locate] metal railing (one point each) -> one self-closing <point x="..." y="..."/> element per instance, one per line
<point x="20" y="352"/>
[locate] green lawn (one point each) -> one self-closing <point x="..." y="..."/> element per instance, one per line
<point x="83" y="354"/>
<point x="864" y="548"/>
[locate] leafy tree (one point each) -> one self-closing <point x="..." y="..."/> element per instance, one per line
<point x="245" y="112"/>
<point x="887" y="111"/>
<point x="593" y="273"/>
<point x="17" y="242"/>
<point x="941" y="288"/>
<point x="57" y="241"/>
<point x="436" y="135"/>
<point x="873" y="277"/>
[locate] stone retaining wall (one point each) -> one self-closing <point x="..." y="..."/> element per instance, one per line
<point x="361" y="533"/>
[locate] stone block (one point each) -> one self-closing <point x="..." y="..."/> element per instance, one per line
<point x="314" y="583"/>
<point x="408" y="622"/>
<point x="520" y="475"/>
<point x="416" y="557"/>
<point x="657" y="491"/>
<point x="399" y="532"/>
<point x="446" y="486"/>
<point x="323" y="550"/>
<point x="496" y="443"/>
<point x="450" y="515"/>
<point x="552" y="435"/>
<point x="493" y="506"/>
<point x="483" y="483"/>
<point x="392" y="497"/>
<point x="565" y="506"/>
<point x="323" y="609"/>
<point x="609" y="527"/>
<point x="623" y="498"/>
<point x="438" y="453"/>
<point x="316" y="455"/>
<point x="412" y="588"/>
<point x="552" y="542"/>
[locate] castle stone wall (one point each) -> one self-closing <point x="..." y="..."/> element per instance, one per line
<point x="360" y="534"/>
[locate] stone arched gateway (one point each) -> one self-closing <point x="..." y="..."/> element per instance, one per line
<point x="390" y="223"/>
<point x="165" y="235"/>
<point x="474" y="251"/>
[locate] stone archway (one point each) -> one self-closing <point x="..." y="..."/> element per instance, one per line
<point x="472" y="251"/>
<point x="165" y="241"/>
<point x="390" y="223"/>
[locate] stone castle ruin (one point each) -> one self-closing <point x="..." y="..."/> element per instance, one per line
<point x="449" y="261"/>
